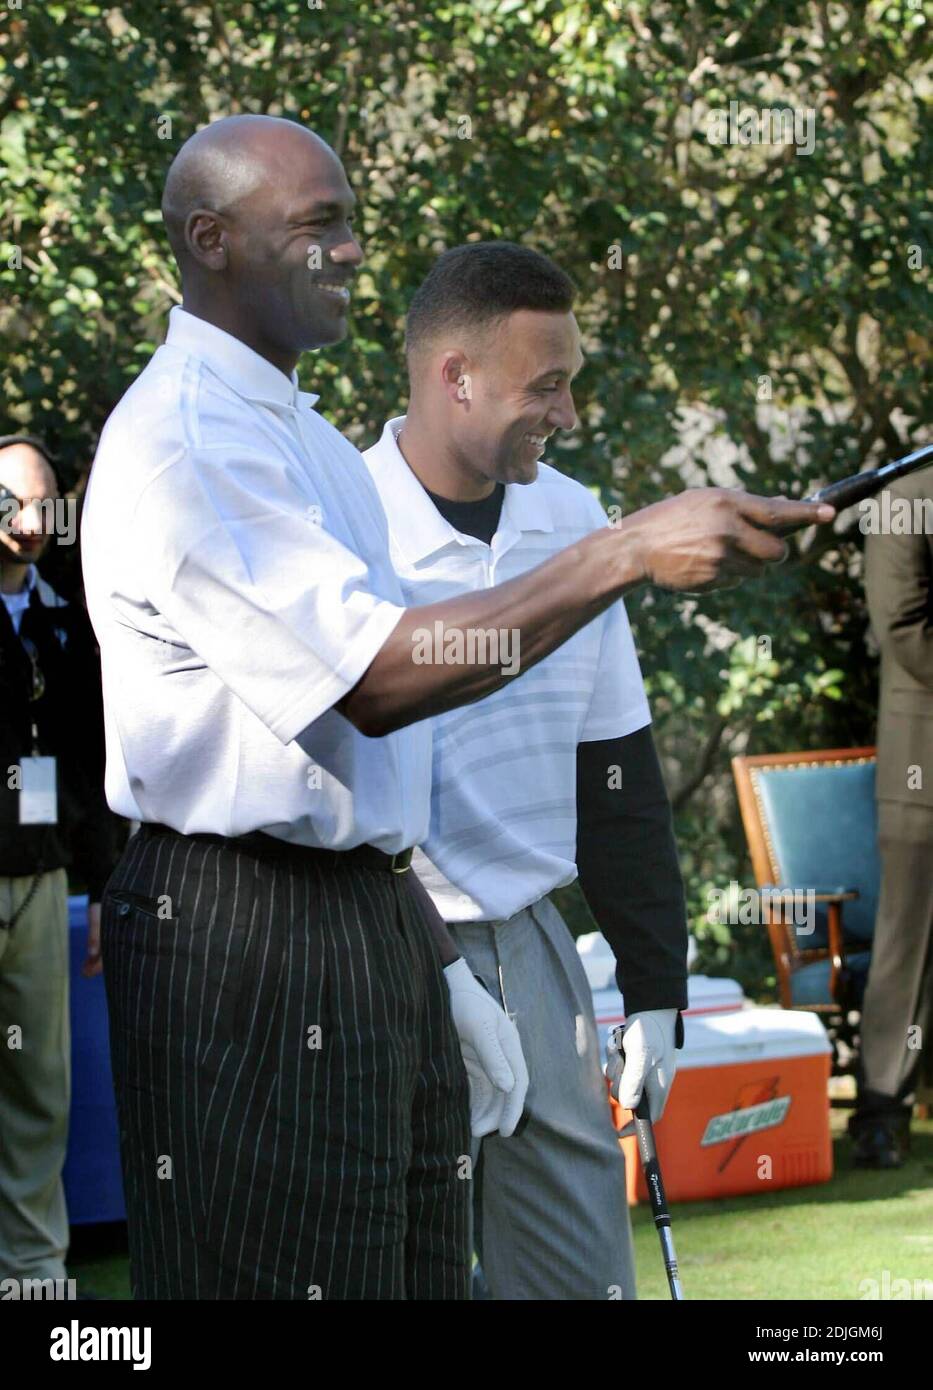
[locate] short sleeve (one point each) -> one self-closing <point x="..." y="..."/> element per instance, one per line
<point x="618" y="705"/>
<point x="238" y="558"/>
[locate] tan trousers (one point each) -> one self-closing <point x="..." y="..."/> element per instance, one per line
<point x="898" y="1006"/>
<point x="35" y="1078"/>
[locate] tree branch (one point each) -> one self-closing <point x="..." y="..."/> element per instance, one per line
<point x="704" y="765"/>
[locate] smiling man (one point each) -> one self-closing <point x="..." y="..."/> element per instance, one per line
<point x="524" y="791"/>
<point x="281" y="1025"/>
<point x="285" y="1001"/>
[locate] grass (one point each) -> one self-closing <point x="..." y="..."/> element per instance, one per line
<point x="802" y="1243"/>
<point x="98" y="1260"/>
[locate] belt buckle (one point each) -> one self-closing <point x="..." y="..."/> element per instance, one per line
<point x="401" y="862"/>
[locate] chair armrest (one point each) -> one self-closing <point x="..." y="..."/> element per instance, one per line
<point x="775" y="898"/>
<point x="820" y="895"/>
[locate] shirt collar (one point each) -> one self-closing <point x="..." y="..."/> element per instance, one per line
<point x="22" y="599"/>
<point x="249" y="374"/>
<point x="417" y="526"/>
<point x="22" y="596"/>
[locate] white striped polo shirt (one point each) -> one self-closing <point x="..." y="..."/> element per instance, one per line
<point x="503" y="794"/>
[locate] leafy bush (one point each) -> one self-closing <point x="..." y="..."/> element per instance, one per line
<point x="753" y="314"/>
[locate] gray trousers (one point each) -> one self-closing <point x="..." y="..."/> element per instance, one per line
<point x="551" y="1217"/>
<point x="35" y="1078"/>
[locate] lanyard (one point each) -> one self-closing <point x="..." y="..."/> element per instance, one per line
<point x="23" y="905"/>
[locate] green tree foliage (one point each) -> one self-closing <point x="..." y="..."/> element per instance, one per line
<point x="754" y="314"/>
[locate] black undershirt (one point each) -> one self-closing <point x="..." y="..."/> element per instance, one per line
<point x="626" y="852"/>
<point x="480" y="519"/>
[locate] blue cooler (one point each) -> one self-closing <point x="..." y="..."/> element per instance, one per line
<point x="92" y="1176"/>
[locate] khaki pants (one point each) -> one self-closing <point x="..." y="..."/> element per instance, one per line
<point x="35" y="1078"/>
<point x="898" y="1005"/>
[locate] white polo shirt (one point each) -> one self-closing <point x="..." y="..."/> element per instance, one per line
<point x="503" y="797"/>
<point x="239" y="582"/>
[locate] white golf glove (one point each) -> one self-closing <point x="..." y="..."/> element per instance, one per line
<point x="492" y="1054"/>
<point x="647" y="1059"/>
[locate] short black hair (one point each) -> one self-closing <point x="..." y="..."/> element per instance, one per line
<point x="479" y="285"/>
<point x="38" y="444"/>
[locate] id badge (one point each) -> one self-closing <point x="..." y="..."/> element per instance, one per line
<point x="38" y="797"/>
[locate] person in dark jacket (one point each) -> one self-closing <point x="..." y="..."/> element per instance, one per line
<point x="52" y="815"/>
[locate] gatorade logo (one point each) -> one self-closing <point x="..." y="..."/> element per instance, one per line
<point x="736" y="1124"/>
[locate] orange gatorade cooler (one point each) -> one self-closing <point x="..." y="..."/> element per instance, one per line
<point x="748" y="1110"/>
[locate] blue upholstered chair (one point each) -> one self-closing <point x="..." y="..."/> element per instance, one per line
<point x="811" y="827"/>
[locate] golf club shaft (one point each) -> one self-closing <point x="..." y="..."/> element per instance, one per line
<point x="848" y="491"/>
<point x="652" y="1171"/>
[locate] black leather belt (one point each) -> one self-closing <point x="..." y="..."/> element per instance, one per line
<point x="264" y="846"/>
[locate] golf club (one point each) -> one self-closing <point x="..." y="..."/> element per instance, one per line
<point x="647" y="1150"/>
<point x="847" y="491"/>
<point x="655" y="1184"/>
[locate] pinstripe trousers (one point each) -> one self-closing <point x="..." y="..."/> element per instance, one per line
<point x="294" y="1114"/>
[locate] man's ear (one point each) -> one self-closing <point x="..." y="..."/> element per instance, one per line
<point x="458" y="383"/>
<point x="206" y="239"/>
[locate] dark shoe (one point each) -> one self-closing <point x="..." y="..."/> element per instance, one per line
<point x="880" y="1144"/>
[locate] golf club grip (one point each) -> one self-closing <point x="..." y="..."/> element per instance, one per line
<point x="651" y="1168"/>
<point x="649" y="1162"/>
<point x="848" y="491"/>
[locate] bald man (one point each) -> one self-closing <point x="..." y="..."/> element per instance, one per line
<point x="292" y="1026"/>
<point x="51" y="726"/>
